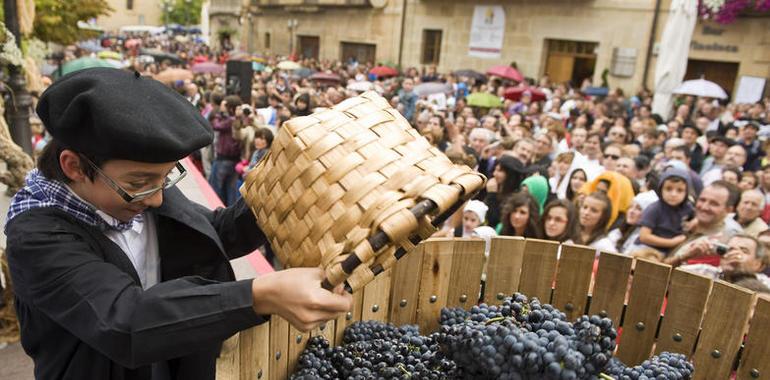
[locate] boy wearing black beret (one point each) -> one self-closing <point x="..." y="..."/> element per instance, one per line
<point x="117" y="275"/>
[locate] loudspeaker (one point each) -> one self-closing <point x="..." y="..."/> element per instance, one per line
<point x="239" y="75"/>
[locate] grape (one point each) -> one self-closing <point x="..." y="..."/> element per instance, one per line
<point x="667" y="365"/>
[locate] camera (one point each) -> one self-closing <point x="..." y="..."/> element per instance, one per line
<point x="721" y="249"/>
<point x="246" y="110"/>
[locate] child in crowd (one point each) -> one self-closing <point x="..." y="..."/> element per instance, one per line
<point x="263" y="138"/>
<point x="662" y="222"/>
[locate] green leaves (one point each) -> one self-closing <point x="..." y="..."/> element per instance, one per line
<point x="57" y="20"/>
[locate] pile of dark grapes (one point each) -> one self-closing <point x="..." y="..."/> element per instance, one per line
<point x="518" y="339"/>
<point x="667" y="365"/>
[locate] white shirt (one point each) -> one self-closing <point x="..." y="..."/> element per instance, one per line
<point x="140" y="244"/>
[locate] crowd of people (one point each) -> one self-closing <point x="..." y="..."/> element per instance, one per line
<point x="690" y="189"/>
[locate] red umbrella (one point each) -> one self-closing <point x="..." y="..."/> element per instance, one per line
<point x="383" y="71"/>
<point x="325" y="77"/>
<point x="207" y="67"/>
<point x="515" y="93"/>
<point x="506" y="72"/>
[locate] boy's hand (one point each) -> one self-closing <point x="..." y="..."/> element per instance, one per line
<point x="297" y="296"/>
<point x="679" y="239"/>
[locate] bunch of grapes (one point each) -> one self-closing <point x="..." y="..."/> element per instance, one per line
<point x="667" y="365"/>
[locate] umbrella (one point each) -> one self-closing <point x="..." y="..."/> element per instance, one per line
<point x="473" y="74"/>
<point x="161" y="56"/>
<point x="383" y="71"/>
<point x="674" y="49"/>
<point x="596" y="91"/>
<point x="303" y="72"/>
<point x="483" y="99"/>
<point x="515" y="93"/>
<point x="325" y="77"/>
<point x="239" y="56"/>
<point x="289" y="65"/>
<point x="90" y="45"/>
<point x="360" y="86"/>
<point x="207" y="67"/>
<point x="430" y="88"/>
<point x="108" y="54"/>
<point x="702" y="88"/>
<point x="173" y="75"/>
<point x="506" y="72"/>
<point x="84" y="63"/>
<point x="256" y="66"/>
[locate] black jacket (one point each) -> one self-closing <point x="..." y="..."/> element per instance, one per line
<point x="84" y="314"/>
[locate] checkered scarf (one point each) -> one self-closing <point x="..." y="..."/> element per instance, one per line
<point x="42" y="192"/>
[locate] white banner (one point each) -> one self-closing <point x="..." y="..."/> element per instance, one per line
<point x="750" y="90"/>
<point x="487" y="30"/>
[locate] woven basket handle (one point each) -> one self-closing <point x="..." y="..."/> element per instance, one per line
<point x="379" y="240"/>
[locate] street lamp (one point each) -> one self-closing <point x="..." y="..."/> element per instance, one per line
<point x="21" y="105"/>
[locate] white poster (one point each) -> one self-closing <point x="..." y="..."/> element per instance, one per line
<point x="750" y="89"/>
<point x="487" y="30"/>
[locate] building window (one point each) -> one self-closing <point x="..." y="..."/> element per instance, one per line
<point x="431" y="46"/>
<point x="267" y="40"/>
<point x="129" y="4"/>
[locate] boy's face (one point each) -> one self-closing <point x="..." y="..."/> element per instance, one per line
<point x="674" y="192"/>
<point x="260" y="143"/>
<point x="134" y="177"/>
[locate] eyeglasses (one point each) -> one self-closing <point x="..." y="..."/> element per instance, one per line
<point x="176" y="175"/>
<point x="612" y="156"/>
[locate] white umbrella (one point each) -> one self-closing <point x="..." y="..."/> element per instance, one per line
<point x="674" y="48"/>
<point x="360" y="86"/>
<point x="431" y="88"/>
<point x="702" y="88"/>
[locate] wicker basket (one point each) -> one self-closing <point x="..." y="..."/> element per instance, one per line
<point x="352" y="189"/>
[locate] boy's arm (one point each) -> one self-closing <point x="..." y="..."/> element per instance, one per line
<point x="647" y="237"/>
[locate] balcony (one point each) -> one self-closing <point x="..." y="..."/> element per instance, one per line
<point x="230" y="7"/>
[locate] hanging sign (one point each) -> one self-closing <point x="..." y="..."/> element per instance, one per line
<point x="487" y="30"/>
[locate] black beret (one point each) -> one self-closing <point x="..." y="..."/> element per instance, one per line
<point x="116" y="114"/>
<point x="723" y="139"/>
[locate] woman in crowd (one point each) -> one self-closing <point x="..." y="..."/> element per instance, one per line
<point x="508" y="175"/>
<point x="594" y="216"/>
<point x="520" y="216"/>
<point x="624" y="237"/>
<point x="618" y="189"/>
<point x="559" y="221"/>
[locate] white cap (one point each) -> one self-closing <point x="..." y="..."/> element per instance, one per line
<point x="479" y="207"/>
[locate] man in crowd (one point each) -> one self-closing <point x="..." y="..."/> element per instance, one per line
<point x="690" y="136"/>
<point x="752" y="146"/>
<point x="734" y="157"/>
<point x="717" y="149"/>
<point x="712" y="207"/>
<point x="748" y="212"/>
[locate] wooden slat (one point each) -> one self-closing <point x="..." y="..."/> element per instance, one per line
<point x="228" y="363"/>
<point x="538" y="269"/>
<point x="279" y="348"/>
<point x="348" y="318"/>
<point x="503" y="268"/>
<point x="573" y="277"/>
<point x="465" y="276"/>
<point x="434" y="282"/>
<point x="377" y="298"/>
<point x="297" y="342"/>
<point x="755" y="353"/>
<point x="725" y="321"/>
<point x="609" y="292"/>
<point x="255" y="352"/>
<point x="405" y="288"/>
<point x="687" y="296"/>
<point x="648" y="288"/>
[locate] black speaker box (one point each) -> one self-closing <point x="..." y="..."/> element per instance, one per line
<point x="239" y="75"/>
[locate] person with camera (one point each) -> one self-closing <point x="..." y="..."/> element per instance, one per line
<point x="742" y="256"/>
<point x="712" y="221"/>
<point x="223" y="178"/>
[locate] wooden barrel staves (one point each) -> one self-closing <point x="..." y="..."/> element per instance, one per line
<point x="352" y="189"/>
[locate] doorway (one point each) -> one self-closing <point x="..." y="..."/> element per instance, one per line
<point x="721" y="73"/>
<point x="309" y="46"/>
<point x="361" y="53"/>
<point x="570" y="61"/>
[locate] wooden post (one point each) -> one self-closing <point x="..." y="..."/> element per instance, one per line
<point x="687" y="296"/>
<point x="465" y="276"/>
<point x="754" y="363"/>
<point x="297" y="343"/>
<point x="725" y="322"/>
<point x="538" y="268"/>
<point x="503" y="268"/>
<point x="255" y="352"/>
<point x="279" y="348"/>
<point x="573" y="277"/>
<point x="405" y="288"/>
<point x="376" y="298"/>
<point x="611" y="285"/>
<point x="348" y="318"/>
<point x="434" y="282"/>
<point x="648" y="288"/>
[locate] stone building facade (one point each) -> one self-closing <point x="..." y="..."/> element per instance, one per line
<point x="567" y="39"/>
<point x="131" y="12"/>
